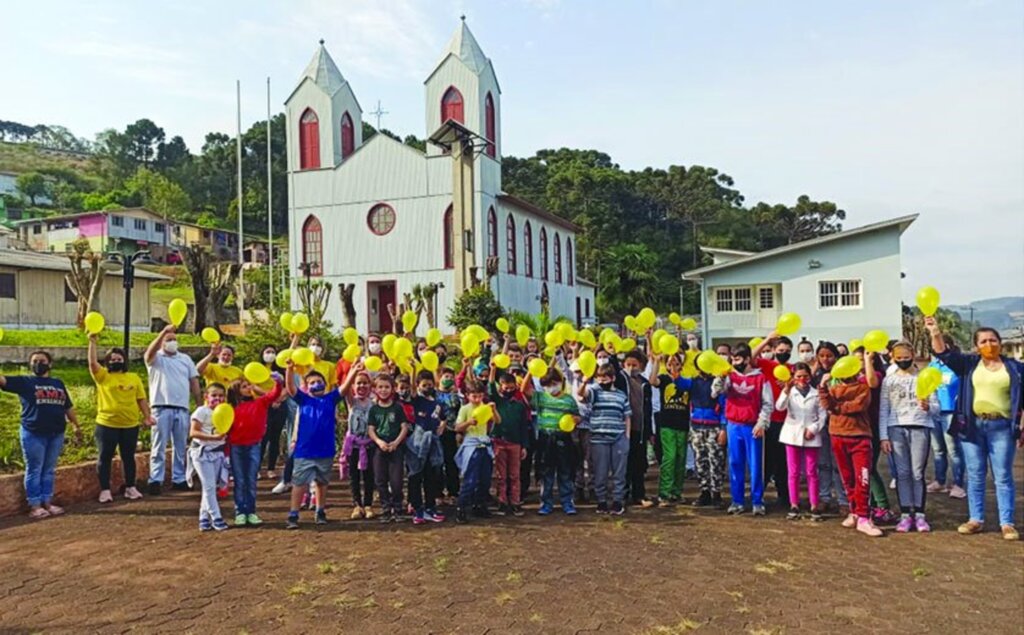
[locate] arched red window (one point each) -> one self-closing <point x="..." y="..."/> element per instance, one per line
<point x="543" y="254"/>
<point x="510" y="244"/>
<point x="451" y="105"/>
<point x="348" y="137"/>
<point x="309" y="140"/>
<point x="313" y="246"/>
<point x="570" y="263"/>
<point x="449" y="242"/>
<point x="527" y="250"/>
<point x="492" y="232"/>
<point x="489" y="126"/>
<point x="558" y="258"/>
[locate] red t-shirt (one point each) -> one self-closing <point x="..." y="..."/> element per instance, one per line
<point x="251" y="418"/>
<point x="767" y="367"/>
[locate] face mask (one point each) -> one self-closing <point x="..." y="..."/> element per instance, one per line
<point x="171" y="347"/>
<point x="782" y="358"/>
<point x="427" y="393"/>
<point x="740" y="367"/>
<point x="317" y="387"/>
<point x="691" y="342"/>
<point x="40" y="368"/>
<point x="402" y="394"/>
<point x="374" y="347"/>
<point x="552" y="390"/>
<point x="269" y="358"/>
<point x="989" y="351"/>
<point x="508" y="393"/>
<point x="317" y="350"/>
<point x="768" y="355"/>
<point x="447" y="383"/>
<point x="603" y="361"/>
<point x="116" y="367"/>
<point x="441" y="357"/>
<point x="904" y="364"/>
<point x="606" y="385"/>
<point x="807" y="357"/>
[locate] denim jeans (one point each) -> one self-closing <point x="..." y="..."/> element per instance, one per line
<point x="558" y="462"/>
<point x="245" y="466"/>
<point x="476" y="482"/>
<point x="828" y="473"/>
<point x="994" y="442"/>
<point x="948" y="452"/>
<point x="172" y="426"/>
<point x="41" y="452"/>
<point x="910" y="445"/>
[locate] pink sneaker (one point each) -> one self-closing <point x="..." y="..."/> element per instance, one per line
<point x="851" y="521"/>
<point x="905" y="524"/>
<point x="957" y="492"/>
<point x="921" y="524"/>
<point x="866" y="527"/>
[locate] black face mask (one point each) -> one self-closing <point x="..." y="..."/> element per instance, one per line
<point x="116" y="367"/>
<point x="508" y="393"/>
<point x="904" y="364"/>
<point x="40" y="368"/>
<point x="607" y="385"/>
<point x="740" y="367"/>
<point x="782" y="358"/>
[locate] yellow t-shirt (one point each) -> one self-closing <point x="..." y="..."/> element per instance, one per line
<point x="224" y="375"/>
<point x="689" y="370"/>
<point x="117" y="399"/>
<point x="991" y="391"/>
<point x="466" y="414"/>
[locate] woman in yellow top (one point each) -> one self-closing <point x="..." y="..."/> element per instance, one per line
<point x="222" y="371"/>
<point x="990" y="407"/>
<point x="321" y="365"/>
<point x="120" y="405"/>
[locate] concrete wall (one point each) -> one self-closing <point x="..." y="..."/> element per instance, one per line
<point x="75" y="484"/>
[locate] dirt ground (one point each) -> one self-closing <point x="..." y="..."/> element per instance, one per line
<point x="144" y="567"/>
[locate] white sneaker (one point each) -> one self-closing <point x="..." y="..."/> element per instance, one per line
<point x="106" y="496"/>
<point x="935" y="486"/>
<point x="957" y="492"/>
<point x="280" y="488"/>
<point x="132" y="494"/>
<point x="851" y="521"/>
<point x="892" y="484"/>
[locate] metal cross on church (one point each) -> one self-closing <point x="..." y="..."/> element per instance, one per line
<point x="378" y="113"/>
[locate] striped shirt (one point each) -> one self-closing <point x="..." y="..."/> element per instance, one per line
<point x="550" y="410"/>
<point x="608" y="415"/>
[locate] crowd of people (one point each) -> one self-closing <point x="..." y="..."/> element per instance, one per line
<point x="474" y="435"/>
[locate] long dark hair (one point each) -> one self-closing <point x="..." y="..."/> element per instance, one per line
<point x="112" y="352"/>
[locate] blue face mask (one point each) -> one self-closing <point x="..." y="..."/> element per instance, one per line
<point x="317" y="387"/>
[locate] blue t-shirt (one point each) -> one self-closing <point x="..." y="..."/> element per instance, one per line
<point x="317" y="422"/>
<point x="44" y="403"/>
<point x="429" y="412"/>
<point x="949" y="388"/>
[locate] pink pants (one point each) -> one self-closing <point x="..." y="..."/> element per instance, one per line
<point x="806" y="460"/>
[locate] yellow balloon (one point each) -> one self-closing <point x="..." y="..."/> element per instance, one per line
<point x="876" y="341"/>
<point x="855" y="344"/>
<point x="256" y="373"/>
<point x="433" y="337"/>
<point x="470" y="345"/>
<point x="373" y="363"/>
<point x="788" y="324"/>
<point x="303" y="356"/>
<point x="646" y="318"/>
<point x="482" y="414"/>
<point x="656" y="340"/>
<point x="754" y="342"/>
<point x="846" y="367"/>
<point x="286" y="321"/>
<point x="537" y="367"/>
<point x="300" y="323"/>
<point x="566" y="331"/>
<point x="586" y="338"/>
<point x="223" y="416"/>
<point x="429" y="360"/>
<point x="387" y="344"/>
<point x="351" y="353"/>
<point x="707" y="361"/>
<point x="669" y="344"/>
<point x="502" y="325"/>
<point x="674" y="318"/>
<point x="177" y="310"/>
<point x="522" y="335"/>
<point x="626" y="345"/>
<point x="211" y="335"/>
<point x="928" y="300"/>
<point x="688" y="324"/>
<point x="405" y="367"/>
<point x="631" y="323"/>
<point x="402" y="348"/>
<point x="588" y="363"/>
<point x="606" y="335"/>
<point x="94" y="323"/>
<point x="480" y="332"/>
<point x="723" y="368"/>
<point x="1" y="334"/>
<point x="283" y="357"/>
<point x="409" y="321"/>
<point x="567" y="423"/>
<point x="554" y="339"/>
<point x="782" y="373"/>
<point x="928" y="381"/>
<point x="350" y="335"/>
<point x="502" y="361"/>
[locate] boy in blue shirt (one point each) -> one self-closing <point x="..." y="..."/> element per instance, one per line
<point x="313" y="441"/>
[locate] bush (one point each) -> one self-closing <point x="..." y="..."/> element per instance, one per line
<point x="260" y="333"/>
<point x="475" y="306"/>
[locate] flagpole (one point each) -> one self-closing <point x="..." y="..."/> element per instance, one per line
<point x="240" y="300"/>
<point x="270" y="207"/>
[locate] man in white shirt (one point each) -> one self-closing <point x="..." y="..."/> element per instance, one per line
<point x="173" y="380"/>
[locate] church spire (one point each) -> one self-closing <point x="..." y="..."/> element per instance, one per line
<point x="464" y="46"/>
<point x="324" y="72"/>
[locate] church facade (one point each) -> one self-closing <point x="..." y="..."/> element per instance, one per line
<point x="379" y="215"/>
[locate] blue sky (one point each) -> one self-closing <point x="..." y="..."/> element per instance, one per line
<point x="885" y="108"/>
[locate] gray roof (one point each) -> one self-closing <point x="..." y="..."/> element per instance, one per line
<point x="902" y="222"/>
<point x="465" y="47"/>
<point x="324" y="72"/>
<point x="19" y="259"/>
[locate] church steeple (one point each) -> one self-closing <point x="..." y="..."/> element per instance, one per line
<point x="324" y="72"/>
<point x="465" y="47"/>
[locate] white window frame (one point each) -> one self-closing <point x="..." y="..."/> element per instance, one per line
<point x="733" y="299"/>
<point x="760" y="298"/>
<point x="839" y="295"/>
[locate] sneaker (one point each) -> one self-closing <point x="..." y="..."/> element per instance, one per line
<point x="850" y="521"/>
<point x="618" y="509"/>
<point x="602" y="508"/>
<point x="703" y="501"/>
<point x="368" y="513"/>
<point x="181" y="487"/>
<point x="665" y="503"/>
<point x="132" y="494"/>
<point x="410" y="510"/>
<point x="921" y="525"/>
<point x="569" y="509"/>
<point x="647" y="503"/>
<point x="935" y="486"/>
<point x="280" y="488"/>
<point x="253" y="520"/>
<point x="759" y="510"/>
<point x="794" y="513"/>
<point x="502" y="510"/>
<point x="905" y="525"/>
<point x="717" y="502"/>
<point x="892" y="484"/>
<point x="106" y="496"/>
<point x="154" y="488"/>
<point x="1010" y="532"/>
<point x="220" y="525"/>
<point x="240" y="520"/>
<point x="957" y="492"/>
<point x="432" y="516"/>
<point x="866" y="527"/>
<point x="970" y="527"/>
<point x="357" y="513"/>
<point x="321" y="516"/>
<point x="884" y="516"/>
<point x="517" y="511"/>
<point x="544" y="510"/>
<point x="418" y="519"/>
<point x="270" y="475"/>
<point x="205" y="525"/>
<point x="385" y="517"/>
<point x="481" y="511"/>
<point x="735" y="510"/>
<point x="816" y="515"/>
<point x="292" y="522"/>
<point x="461" y="517"/>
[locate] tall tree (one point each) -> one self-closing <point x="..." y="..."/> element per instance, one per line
<point x="33" y="185"/>
<point x="86" y="277"/>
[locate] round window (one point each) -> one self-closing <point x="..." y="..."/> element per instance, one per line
<point x="381" y="219"/>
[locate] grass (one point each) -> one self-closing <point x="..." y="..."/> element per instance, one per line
<point x="441" y="565"/>
<point x="920" y="572"/>
<point x="503" y="598"/>
<point x="71" y="338"/>
<point x="514" y="576"/>
<point x="683" y="626"/>
<point x="299" y="588"/>
<point x="326" y="568"/>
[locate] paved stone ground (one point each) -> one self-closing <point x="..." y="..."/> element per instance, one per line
<point x="145" y="567"/>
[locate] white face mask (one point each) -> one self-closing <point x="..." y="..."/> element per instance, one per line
<point x="603" y="361"/>
<point x="317" y="350"/>
<point x="692" y="343"/>
<point x="768" y="355"/>
<point x="552" y="390"/>
<point x="269" y="357"/>
<point x="171" y="347"/>
<point x="374" y="347"/>
<point x="807" y="356"/>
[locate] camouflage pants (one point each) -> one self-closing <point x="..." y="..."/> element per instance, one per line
<point x="709" y="459"/>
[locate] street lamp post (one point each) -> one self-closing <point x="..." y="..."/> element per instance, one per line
<point x="116" y="260"/>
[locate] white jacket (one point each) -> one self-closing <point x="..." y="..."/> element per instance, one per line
<point x="802" y="413"/>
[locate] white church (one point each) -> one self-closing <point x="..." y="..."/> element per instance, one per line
<point x="385" y="217"/>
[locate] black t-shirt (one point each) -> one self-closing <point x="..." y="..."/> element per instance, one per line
<point x="675" y="405"/>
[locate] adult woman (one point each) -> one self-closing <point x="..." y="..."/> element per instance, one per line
<point x="988" y="413"/>
<point x="45" y="410"/>
<point x="120" y="403"/>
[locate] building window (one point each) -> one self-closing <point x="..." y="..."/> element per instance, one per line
<point x="558" y="258"/>
<point x="309" y="140"/>
<point x="117" y="221"/>
<point x="528" y="250"/>
<point x="587" y="304"/>
<point x="451" y="105"/>
<point x="543" y="254"/>
<point x="159" y="227"/>
<point x="8" y="286"/>
<point x="492" y="233"/>
<point x="733" y="300"/>
<point x="313" y="246"/>
<point x="69" y="295"/>
<point x="37" y="229"/>
<point x="766" y="298"/>
<point x="348" y="137"/>
<point x="839" y="294"/>
<point x="510" y="244"/>
<point x="381" y="219"/>
<point x="449" y="229"/>
<point x="140" y="224"/>
<point x="489" y="126"/>
<point x="570" y="270"/>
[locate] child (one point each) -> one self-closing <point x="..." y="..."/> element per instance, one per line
<point x="423" y="456"/>
<point x="609" y="438"/>
<point x="510" y="440"/>
<point x="905" y="427"/>
<point x="776" y="463"/>
<point x="707" y="438"/>
<point x="555" y="450"/>
<point x="313" y="442"/>
<point x="403" y="394"/>
<point x="475" y="456"/>
<point x="388" y="427"/>
<point x="673" y="427"/>
<point x="451" y="400"/>
<point x="581" y="435"/>
<point x="641" y="406"/>
<point x="801" y="437"/>
<point x="847" y="401"/>
<point x="206" y="458"/>
<point x="748" y="409"/>
<point x="358" y="449"/>
<point x="251" y="407"/>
